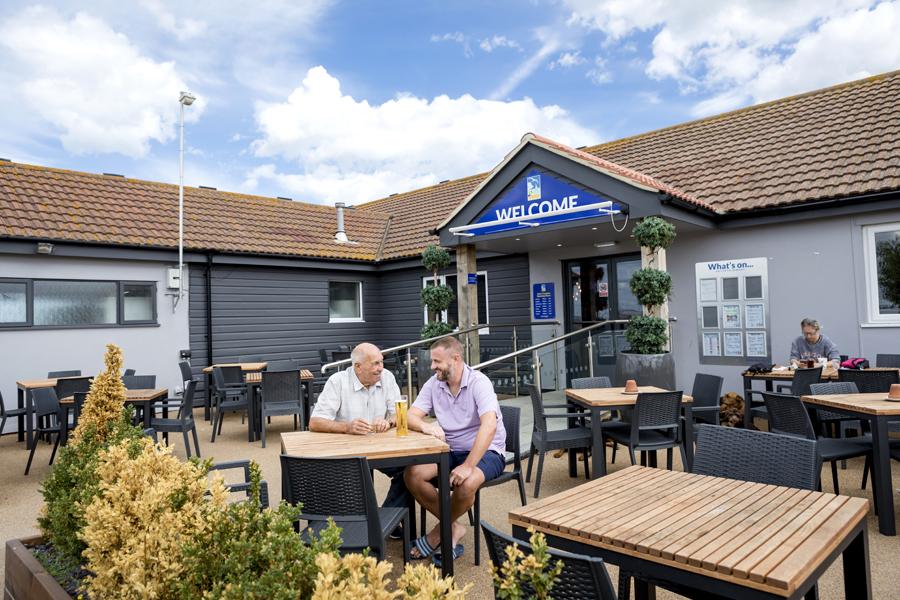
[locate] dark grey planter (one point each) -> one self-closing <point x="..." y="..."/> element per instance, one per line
<point x="647" y="369"/>
<point x="26" y="577"/>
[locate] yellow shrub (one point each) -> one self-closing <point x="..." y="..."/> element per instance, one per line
<point x="358" y="577"/>
<point x="105" y="400"/>
<point x="149" y="505"/>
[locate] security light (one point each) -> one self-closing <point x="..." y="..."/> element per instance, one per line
<point x="186" y="98"/>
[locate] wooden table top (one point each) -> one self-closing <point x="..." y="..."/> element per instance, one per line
<point x="828" y="373"/>
<point x="765" y="537"/>
<point x="34" y="384"/>
<point x="256" y="376"/>
<point x="310" y="444"/>
<point x="613" y="396"/>
<point x="256" y="366"/>
<point x="873" y="404"/>
<point x="131" y="395"/>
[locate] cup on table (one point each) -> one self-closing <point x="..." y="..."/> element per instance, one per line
<point x="631" y="386"/>
<point x="401" y="407"/>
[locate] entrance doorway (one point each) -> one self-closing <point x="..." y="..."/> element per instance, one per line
<point x="597" y="289"/>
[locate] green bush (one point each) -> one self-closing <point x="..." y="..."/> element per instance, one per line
<point x="437" y="297"/>
<point x="435" y="328"/>
<point x="253" y="554"/>
<point x="647" y="335"/>
<point x="435" y="258"/>
<point x="889" y="271"/>
<point x="651" y="286"/>
<point x="654" y="233"/>
<point x="523" y="576"/>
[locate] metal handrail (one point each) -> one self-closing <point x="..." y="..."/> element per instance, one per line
<point x="536" y="363"/>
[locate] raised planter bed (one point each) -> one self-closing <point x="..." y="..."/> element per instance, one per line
<point x="26" y="577"/>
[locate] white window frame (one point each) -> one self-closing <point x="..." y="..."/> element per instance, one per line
<point x="874" y="312"/>
<point x="442" y="280"/>
<point x="361" y="318"/>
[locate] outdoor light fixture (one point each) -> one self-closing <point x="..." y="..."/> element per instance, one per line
<point x="184" y="99"/>
<point x="604" y="244"/>
<point x="44" y="248"/>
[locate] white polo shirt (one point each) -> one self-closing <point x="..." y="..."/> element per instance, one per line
<point x="344" y="398"/>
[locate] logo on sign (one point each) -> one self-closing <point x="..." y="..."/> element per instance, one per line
<point x="534" y="187"/>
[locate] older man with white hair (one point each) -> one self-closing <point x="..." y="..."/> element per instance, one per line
<point x="362" y="399"/>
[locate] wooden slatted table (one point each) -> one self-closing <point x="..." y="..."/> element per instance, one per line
<point x="878" y="411"/>
<point x="385" y="450"/>
<point x="732" y="538"/>
<point x="24" y="387"/>
<point x="251" y="375"/>
<point x="599" y="400"/>
<point x="143" y="397"/>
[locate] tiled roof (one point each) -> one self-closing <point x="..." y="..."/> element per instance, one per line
<point x="45" y="203"/>
<point x="838" y="142"/>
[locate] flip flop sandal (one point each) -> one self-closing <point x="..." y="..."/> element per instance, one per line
<point x="425" y="549"/>
<point x="457" y="552"/>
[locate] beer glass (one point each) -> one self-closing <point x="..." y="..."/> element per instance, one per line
<point x="402" y="427"/>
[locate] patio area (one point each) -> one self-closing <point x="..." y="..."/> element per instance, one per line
<point x="22" y="501"/>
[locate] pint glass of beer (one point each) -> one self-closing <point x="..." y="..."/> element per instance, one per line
<point x="402" y="428"/>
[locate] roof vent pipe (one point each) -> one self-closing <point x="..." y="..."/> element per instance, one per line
<point x="340" y="236"/>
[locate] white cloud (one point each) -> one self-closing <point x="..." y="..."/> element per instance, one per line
<point x="752" y="50"/>
<point x="457" y="37"/>
<point x="567" y="60"/>
<point x="349" y="149"/>
<point x="498" y="41"/>
<point x="550" y="44"/>
<point x="599" y="73"/>
<point x="90" y="83"/>
<point x="649" y="97"/>
<point x="184" y="29"/>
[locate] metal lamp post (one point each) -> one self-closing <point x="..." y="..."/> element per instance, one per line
<point x="184" y="99"/>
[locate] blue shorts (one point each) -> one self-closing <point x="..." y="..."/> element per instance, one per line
<point x="491" y="464"/>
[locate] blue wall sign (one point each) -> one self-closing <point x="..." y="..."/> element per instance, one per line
<point x="534" y="194"/>
<point x="544" y="301"/>
<point x="473" y="279"/>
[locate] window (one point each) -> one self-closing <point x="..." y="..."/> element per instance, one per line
<point x="882" y="258"/>
<point x="74" y="303"/>
<point x="451" y="315"/>
<point x="345" y="301"/>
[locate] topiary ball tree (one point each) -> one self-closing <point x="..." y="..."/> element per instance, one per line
<point x="437" y="298"/>
<point x="648" y="334"/>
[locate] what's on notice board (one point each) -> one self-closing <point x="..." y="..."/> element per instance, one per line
<point x="733" y="311"/>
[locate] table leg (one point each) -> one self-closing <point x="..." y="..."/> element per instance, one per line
<point x="748" y="387"/>
<point x="444" y="510"/>
<point x="573" y="455"/>
<point x="644" y="590"/>
<point x="598" y="450"/>
<point x="147" y="407"/>
<point x="21" y="418"/>
<point x="688" y="436"/>
<point x="881" y="476"/>
<point x="207" y="400"/>
<point x="29" y="421"/>
<point x="857" y="577"/>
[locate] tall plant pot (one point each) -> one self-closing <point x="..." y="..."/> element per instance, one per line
<point x="647" y="369"/>
<point x="26" y="577"/>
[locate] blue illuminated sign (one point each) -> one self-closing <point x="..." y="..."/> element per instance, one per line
<point x="535" y="194"/>
<point x="544" y="301"/>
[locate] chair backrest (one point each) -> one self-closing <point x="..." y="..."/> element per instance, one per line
<point x="756" y="456"/>
<point x="151" y="433"/>
<point x="243" y="486"/>
<point x="139" y="382"/>
<point x="232" y="375"/>
<point x="129" y="372"/>
<point x="788" y="416"/>
<point x="281" y="387"/>
<point x="833" y="387"/>
<point x="45" y="402"/>
<point x="79" y="398"/>
<point x="340" y="355"/>
<point x="251" y="358"/>
<point x="186" y="410"/>
<point x="870" y="382"/>
<point x="657" y="410"/>
<point x="69" y="386"/>
<point x="581" y="577"/>
<point x="586" y="383"/>
<point x="330" y="487"/>
<point x="537" y="407"/>
<point x="512" y="415"/>
<point x="707" y="390"/>
<point x="803" y="378"/>
<point x="186" y="372"/>
<point x="887" y="360"/>
<point x="290" y="364"/>
<point x="323" y="356"/>
<point x="55" y="374"/>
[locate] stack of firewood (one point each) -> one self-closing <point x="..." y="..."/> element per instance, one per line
<point x="731" y="410"/>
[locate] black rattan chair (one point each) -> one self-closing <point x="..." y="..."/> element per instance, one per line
<point x="229" y="396"/>
<point x="139" y="382"/>
<point x="289" y="364"/>
<point x="5" y="413"/>
<point x="47" y="416"/>
<point x="870" y="382"/>
<point x="129" y="372"/>
<point x="544" y="440"/>
<point x="243" y="486"/>
<point x="281" y="394"/>
<point x="70" y="386"/>
<point x="803" y="378"/>
<point x="57" y="374"/>
<point x="707" y="392"/>
<point x="891" y="361"/>
<point x="582" y="577"/>
<point x="616" y="422"/>
<point x="184" y="422"/>
<point x="834" y="424"/>
<point x="789" y="416"/>
<point x="342" y="488"/>
<point x="511" y="417"/>
<point x="655" y="425"/>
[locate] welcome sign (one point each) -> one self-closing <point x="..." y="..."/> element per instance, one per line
<point x="535" y="198"/>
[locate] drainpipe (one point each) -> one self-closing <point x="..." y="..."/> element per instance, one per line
<point x="209" y="333"/>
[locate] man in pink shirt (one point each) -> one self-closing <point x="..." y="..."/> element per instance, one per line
<point x="469" y="420"/>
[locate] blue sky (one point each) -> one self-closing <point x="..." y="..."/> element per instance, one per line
<point x="324" y="101"/>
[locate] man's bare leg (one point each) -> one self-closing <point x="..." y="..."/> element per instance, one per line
<point x="418" y="481"/>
